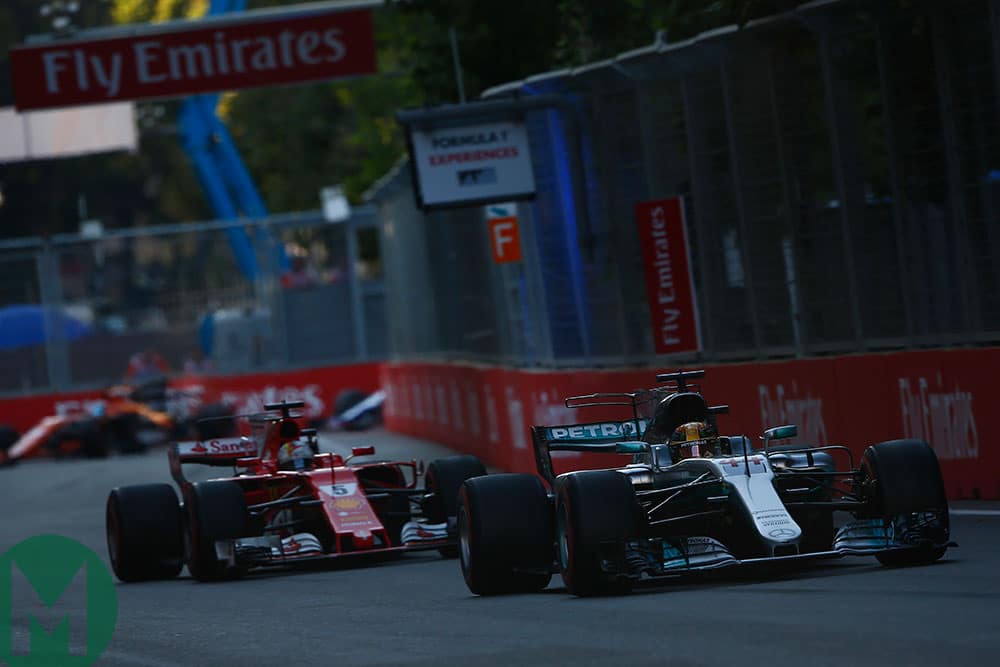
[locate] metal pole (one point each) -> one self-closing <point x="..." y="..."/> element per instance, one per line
<point x="968" y="292"/>
<point x="741" y="214"/>
<point x="357" y="299"/>
<point x="701" y="205"/>
<point x="539" y="309"/>
<point x="56" y="347"/>
<point x="896" y="186"/>
<point x="457" y="62"/>
<point x="840" y="169"/>
<point x="789" y="249"/>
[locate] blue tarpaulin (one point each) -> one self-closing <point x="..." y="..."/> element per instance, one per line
<point x="25" y="325"/>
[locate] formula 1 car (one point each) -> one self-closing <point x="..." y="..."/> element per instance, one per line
<point x="284" y="504"/>
<point x="692" y="500"/>
<point x="127" y="419"/>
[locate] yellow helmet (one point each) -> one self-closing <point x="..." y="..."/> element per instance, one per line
<point x="691" y="440"/>
<point x="691" y="432"/>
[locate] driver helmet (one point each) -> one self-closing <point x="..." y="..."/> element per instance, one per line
<point x="295" y="455"/>
<point x="693" y="440"/>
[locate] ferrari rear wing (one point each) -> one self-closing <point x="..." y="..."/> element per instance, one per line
<point x="609" y="437"/>
<point x="217" y="452"/>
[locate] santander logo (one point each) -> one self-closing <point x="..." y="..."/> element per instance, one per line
<point x="228" y="446"/>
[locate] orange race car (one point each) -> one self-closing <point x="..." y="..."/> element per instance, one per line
<point x="127" y="419"/>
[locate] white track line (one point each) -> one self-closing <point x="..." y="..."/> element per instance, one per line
<point x="974" y="512"/>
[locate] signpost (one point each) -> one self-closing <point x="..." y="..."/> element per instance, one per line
<point x="505" y="233"/>
<point x="474" y="163"/>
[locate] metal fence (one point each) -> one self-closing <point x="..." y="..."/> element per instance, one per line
<point x="840" y="166"/>
<point x="76" y="311"/>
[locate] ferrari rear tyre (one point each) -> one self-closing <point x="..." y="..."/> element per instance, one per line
<point x="214" y="510"/>
<point x="219" y="422"/>
<point x="596" y="513"/>
<point x="443" y="478"/>
<point x="144" y="532"/>
<point x="902" y="478"/>
<point x="505" y="534"/>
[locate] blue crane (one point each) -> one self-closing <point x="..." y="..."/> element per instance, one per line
<point x="220" y="168"/>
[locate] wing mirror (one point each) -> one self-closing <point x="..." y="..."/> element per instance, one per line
<point x="631" y="447"/>
<point x="781" y="432"/>
<point x="362" y="451"/>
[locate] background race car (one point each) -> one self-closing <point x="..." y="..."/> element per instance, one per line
<point x="286" y="503"/>
<point x="128" y="418"/>
<point x="692" y="500"/>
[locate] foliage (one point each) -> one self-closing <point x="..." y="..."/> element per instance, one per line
<point x="300" y="139"/>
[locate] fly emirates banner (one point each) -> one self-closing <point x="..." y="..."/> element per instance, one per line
<point x="194" y="57"/>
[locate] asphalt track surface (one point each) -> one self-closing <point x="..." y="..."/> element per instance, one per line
<point x="417" y="611"/>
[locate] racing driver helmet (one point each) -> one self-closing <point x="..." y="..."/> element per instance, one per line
<point x="694" y="440"/>
<point x="295" y="456"/>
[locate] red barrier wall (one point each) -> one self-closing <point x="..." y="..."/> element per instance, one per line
<point x="943" y="396"/>
<point x="317" y="387"/>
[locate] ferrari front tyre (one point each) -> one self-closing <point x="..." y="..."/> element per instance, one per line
<point x="214" y="510"/>
<point x="505" y="534"/>
<point x="596" y="514"/>
<point x="145" y="532"/>
<point x="902" y="479"/>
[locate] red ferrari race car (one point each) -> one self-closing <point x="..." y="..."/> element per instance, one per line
<point x="285" y="504"/>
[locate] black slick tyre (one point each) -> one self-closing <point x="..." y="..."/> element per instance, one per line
<point x="596" y="513"/>
<point x="901" y="478"/>
<point x="214" y="510"/>
<point x="215" y="420"/>
<point x="443" y="478"/>
<point x="144" y="532"/>
<point x="505" y="534"/>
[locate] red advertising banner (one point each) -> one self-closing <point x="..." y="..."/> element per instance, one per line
<point x="944" y="397"/>
<point x="171" y="62"/>
<point x="673" y="309"/>
<point x="318" y="388"/>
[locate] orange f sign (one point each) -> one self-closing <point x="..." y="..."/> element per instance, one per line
<point x="505" y="239"/>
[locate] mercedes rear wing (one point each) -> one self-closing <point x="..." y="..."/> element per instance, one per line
<point x="624" y="437"/>
<point x="608" y="437"/>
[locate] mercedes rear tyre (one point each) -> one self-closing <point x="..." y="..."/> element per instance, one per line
<point x="145" y="532"/>
<point x="214" y="511"/>
<point x="505" y="534"/>
<point x="902" y="483"/>
<point x="596" y="514"/>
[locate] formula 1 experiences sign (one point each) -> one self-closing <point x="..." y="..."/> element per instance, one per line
<point x="666" y="258"/>
<point x="472" y="164"/>
<point x="173" y="61"/>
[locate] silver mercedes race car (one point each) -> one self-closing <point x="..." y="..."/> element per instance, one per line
<point x="692" y="500"/>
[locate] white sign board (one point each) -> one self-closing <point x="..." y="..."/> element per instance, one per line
<point x="36" y="135"/>
<point x="472" y="164"/>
